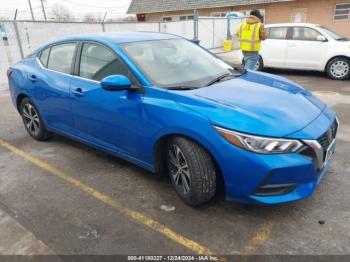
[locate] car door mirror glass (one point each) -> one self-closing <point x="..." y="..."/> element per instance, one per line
<point x="321" y="38"/>
<point x="116" y="83"/>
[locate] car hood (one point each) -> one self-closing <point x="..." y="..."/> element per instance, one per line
<point x="255" y="103"/>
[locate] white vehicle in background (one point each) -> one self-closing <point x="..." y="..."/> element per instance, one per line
<point x="3" y="35"/>
<point x="305" y="46"/>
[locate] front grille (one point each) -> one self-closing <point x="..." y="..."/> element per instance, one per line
<point x="318" y="156"/>
<point x="326" y="139"/>
<point x="334" y="128"/>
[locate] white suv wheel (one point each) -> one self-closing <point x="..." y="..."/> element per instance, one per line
<point x="339" y="68"/>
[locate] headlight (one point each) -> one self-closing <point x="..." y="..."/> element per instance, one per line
<point x="258" y="144"/>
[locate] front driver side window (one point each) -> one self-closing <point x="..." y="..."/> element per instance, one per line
<point x="97" y="62"/>
<point x="305" y="34"/>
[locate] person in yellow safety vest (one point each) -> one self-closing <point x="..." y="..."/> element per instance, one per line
<point x="250" y="35"/>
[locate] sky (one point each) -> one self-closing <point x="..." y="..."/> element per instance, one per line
<point x="79" y="8"/>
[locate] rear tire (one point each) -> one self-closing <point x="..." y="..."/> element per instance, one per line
<point x="32" y="120"/>
<point x="192" y="171"/>
<point x="260" y="65"/>
<point x="338" y="68"/>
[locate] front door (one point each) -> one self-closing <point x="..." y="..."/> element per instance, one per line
<point x="304" y="50"/>
<point x="111" y="119"/>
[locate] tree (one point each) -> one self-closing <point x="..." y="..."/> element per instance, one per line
<point x="125" y="19"/>
<point x="91" y="18"/>
<point x="60" y="12"/>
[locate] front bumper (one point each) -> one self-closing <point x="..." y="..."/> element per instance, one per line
<point x="280" y="178"/>
<point x="299" y="192"/>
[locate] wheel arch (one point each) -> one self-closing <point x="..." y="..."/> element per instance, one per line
<point x="19" y="99"/>
<point x="262" y="59"/>
<point x="335" y="57"/>
<point x="159" y="157"/>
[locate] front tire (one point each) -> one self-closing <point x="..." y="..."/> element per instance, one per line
<point x="33" y="121"/>
<point x="339" y="68"/>
<point x="192" y="171"/>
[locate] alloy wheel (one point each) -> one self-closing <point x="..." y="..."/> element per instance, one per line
<point x="256" y="67"/>
<point x="31" y="119"/>
<point x="178" y="168"/>
<point x="339" y="69"/>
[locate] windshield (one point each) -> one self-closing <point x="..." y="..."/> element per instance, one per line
<point x="332" y="34"/>
<point x="175" y="62"/>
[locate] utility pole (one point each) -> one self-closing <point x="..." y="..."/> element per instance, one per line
<point x="31" y="10"/>
<point x="43" y="8"/>
<point x="19" y="43"/>
<point x="15" y="16"/>
<point x="104" y="17"/>
<point x="103" y="23"/>
<point x="195" y="26"/>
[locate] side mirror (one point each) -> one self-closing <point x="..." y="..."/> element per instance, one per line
<point x="116" y="83"/>
<point x="321" y="38"/>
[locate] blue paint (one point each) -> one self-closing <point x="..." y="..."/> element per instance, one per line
<point x="128" y="124"/>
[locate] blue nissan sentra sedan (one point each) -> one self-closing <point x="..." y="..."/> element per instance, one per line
<point x="172" y="107"/>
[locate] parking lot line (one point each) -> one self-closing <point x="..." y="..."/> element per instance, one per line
<point x="261" y="236"/>
<point x="149" y="222"/>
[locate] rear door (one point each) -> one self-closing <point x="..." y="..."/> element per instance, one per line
<point x="274" y="48"/>
<point x="304" y="51"/>
<point x="52" y="85"/>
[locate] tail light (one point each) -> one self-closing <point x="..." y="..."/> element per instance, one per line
<point x="8" y="73"/>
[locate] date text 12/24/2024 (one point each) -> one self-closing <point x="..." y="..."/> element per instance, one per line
<point x="173" y="258"/>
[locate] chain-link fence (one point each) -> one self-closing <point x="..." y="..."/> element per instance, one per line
<point x="20" y="38"/>
<point x="9" y="49"/>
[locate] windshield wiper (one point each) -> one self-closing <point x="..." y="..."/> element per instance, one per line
<point x="219" y="78"/>
<point x="342" y="39"/>
<point x="181" y="87"/>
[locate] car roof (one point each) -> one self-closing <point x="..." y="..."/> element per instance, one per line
<point x="116" y="37"/>
<point x="292" y="24"/>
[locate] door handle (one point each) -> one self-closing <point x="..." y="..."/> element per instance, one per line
<point x="33" y="78"/>
<point x="78" y="92"/>
<point x="292" y="45"/>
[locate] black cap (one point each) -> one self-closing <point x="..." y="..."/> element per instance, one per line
<point x="256" y="12"/>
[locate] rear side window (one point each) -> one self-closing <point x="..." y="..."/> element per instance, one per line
<point x="278" y="33"/>
<point x="61" y="57"/>
<point x="44" y="55"/>
<point x="305" y="34"/>
<point x="97" y="62"/>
